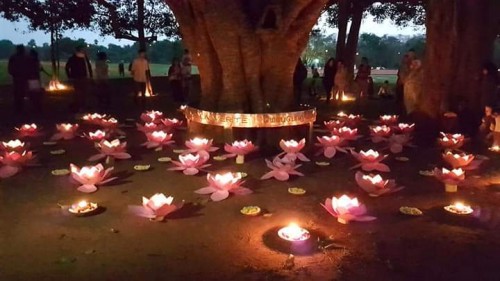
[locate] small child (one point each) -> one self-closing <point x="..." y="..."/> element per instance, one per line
<point x="488" y="122"/>
<point x="384" y="91"/>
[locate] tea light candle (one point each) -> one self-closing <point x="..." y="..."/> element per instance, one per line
<point x="459" y="208"/>
<point x="294" y="233"/>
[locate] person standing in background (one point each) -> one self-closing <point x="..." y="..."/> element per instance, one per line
<point x="35" y="90"/>
<point x="187" y="68"/>
<point x="299" y="75"/>
<point x="175" y="80"/>
<point x="102" y="81"/>
<point x="363" y="78"/>
<point x="121" y="69"/>
<point x="16" y="69"/>
<point x="139" y="70"/>
<point x="79" y="71"/>
<point x="328" y="77"/>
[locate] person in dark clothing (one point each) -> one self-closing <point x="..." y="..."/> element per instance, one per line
<point x="175" y="80"/>
<point x="35" y="90"/>
<point x="299" y="75"/>
<point x="103" y="90"/>
<point x="328" y="77"/>
<point x="121" y="69"/>
<point x="79" y="71"/>
<point x="16" y="69"/>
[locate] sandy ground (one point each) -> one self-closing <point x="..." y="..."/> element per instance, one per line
<point x="212" y="241"/>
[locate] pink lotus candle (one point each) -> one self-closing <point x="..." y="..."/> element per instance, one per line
<point x="350" y="120"/>
<point x="201" y="146"/>
<point x="96" y="136"/>
<point x="398" y="142"/>
<point x="389" y="119"/>
<point x="111" y="149"/>
<point x="27" y="130"/>
<point x="495" y="148"/>
<point x="380" y="133"/>
<point x="110" y="123"/>
<point x="294" y="233"/>
<point x="14" y="161"/>
<point x="346" y="209"/>
<point x="239" y="149"/>
<point x="190" y="164"/>
<point x="13" y="145"/>
<point x="451" y="141"/>
<point x="148" y="127"/>
<point x="93" y="118"/>
<point x="404" y="128"/>
<point x="171" y="124"/>
<point x="220" y="185"/>
<point x="461" y="160"/>
<point x="281" y="169"/>
<point x="334" y="124"/>
<point x="370" y="161"/>
<point x="90" y="177"/>
<point x="291" y="149"/>
<point x="152" y="116"/>
<point x="329" y="145"/>
<point x="158" y="139"/>
<point x="450" y="178"/>
<point x="375" y="185"/>
<point x="346" y="133"/>
<point x="66" y="131"/>
<point x="157" y="207"/>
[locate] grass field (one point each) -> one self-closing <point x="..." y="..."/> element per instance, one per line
<point x="156" y="70"/>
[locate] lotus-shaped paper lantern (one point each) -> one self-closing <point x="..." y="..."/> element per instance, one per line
<point x="157" y="207"/>
<point x="375" y="185"/>
<point x="158" y="139"/>
<point x="202" y="146"/>
<point x="370" y="161"/>
<point x="90" y="177"/>
<point x="27" y="130"/>
<point x="239" y="149"/>
<point x="93" y="118"/>
<point x="152" y="116"/>
<point x="13" y="145"/>
<point x="171" y="124"/>
<point x="453" y="177"/>
<point x="291" y="150"/>
<point x="190" y="164"/>
<point x="281" y="169"/>
<point x="14" y="161"/>
<point x="380" y="133"/>
<point x="113" y="149"/>
<point x="398" y="142"/>
<point x="96" y="136"/>
<point x="329" y="145"/>
<point x="404" y="128"/>
<point x="220" y="185"/>
<point x="111" y="126"/>
<point x="148" y="127"/>
<point x="334" y="124"/>
<point x="346" y="209"/>
<point x="350" y="120"/>
<point x="461" y="160"/>
<point x="346" y="133"/>
<point x="451" y="141"/>
<point x="65" y="131"/>
<point x="389" y="119"/>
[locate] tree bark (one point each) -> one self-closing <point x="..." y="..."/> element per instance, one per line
<point x="246" y="60"/>
<point x="140" y="24"/>
<point x="343" y="19"/>
<point x="353" y="38"/>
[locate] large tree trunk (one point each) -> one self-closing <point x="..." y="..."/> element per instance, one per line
<point x="342" y="21"/>
<point x="246" y="51"/>
<point x="351" y="47"/>
<point x="140" y="25"/>
<point x="460" y="36"/>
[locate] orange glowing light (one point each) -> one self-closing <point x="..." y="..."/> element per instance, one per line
<point x="294" y="233"/>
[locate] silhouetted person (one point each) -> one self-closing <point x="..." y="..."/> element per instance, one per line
<point x="102" y="81"/>
<point x="299" y="75"/>
<point x="35" y="90"/>
<point x="328" y="77"/>
<point x="175" y="80"/>
<point x="16" y="69"/>
<point x="139" y="70"/>
<point x="488" y="82"/>
<point x="79" y="71"/>
<point x="187" y="68"/>
<point x="121" y="69"/>
<point x="363" y="78"/>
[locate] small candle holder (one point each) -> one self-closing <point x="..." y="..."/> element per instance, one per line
<point x="294" y="233"/>
<point x="448" y="187"/>
<point x="83" y="208"/>
<point x="459" y="208"/>
<point x="240" y="159"/>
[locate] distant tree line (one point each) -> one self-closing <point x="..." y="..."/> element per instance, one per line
<point x="158" y="52"/>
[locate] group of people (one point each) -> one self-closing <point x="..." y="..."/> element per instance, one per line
<point x="336" y="81"/>
<point x="25" y="68"/>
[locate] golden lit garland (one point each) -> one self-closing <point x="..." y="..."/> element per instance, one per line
<point x="246" y="120"/>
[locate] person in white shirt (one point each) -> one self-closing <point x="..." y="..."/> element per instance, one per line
<point x="140" y="74"/>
